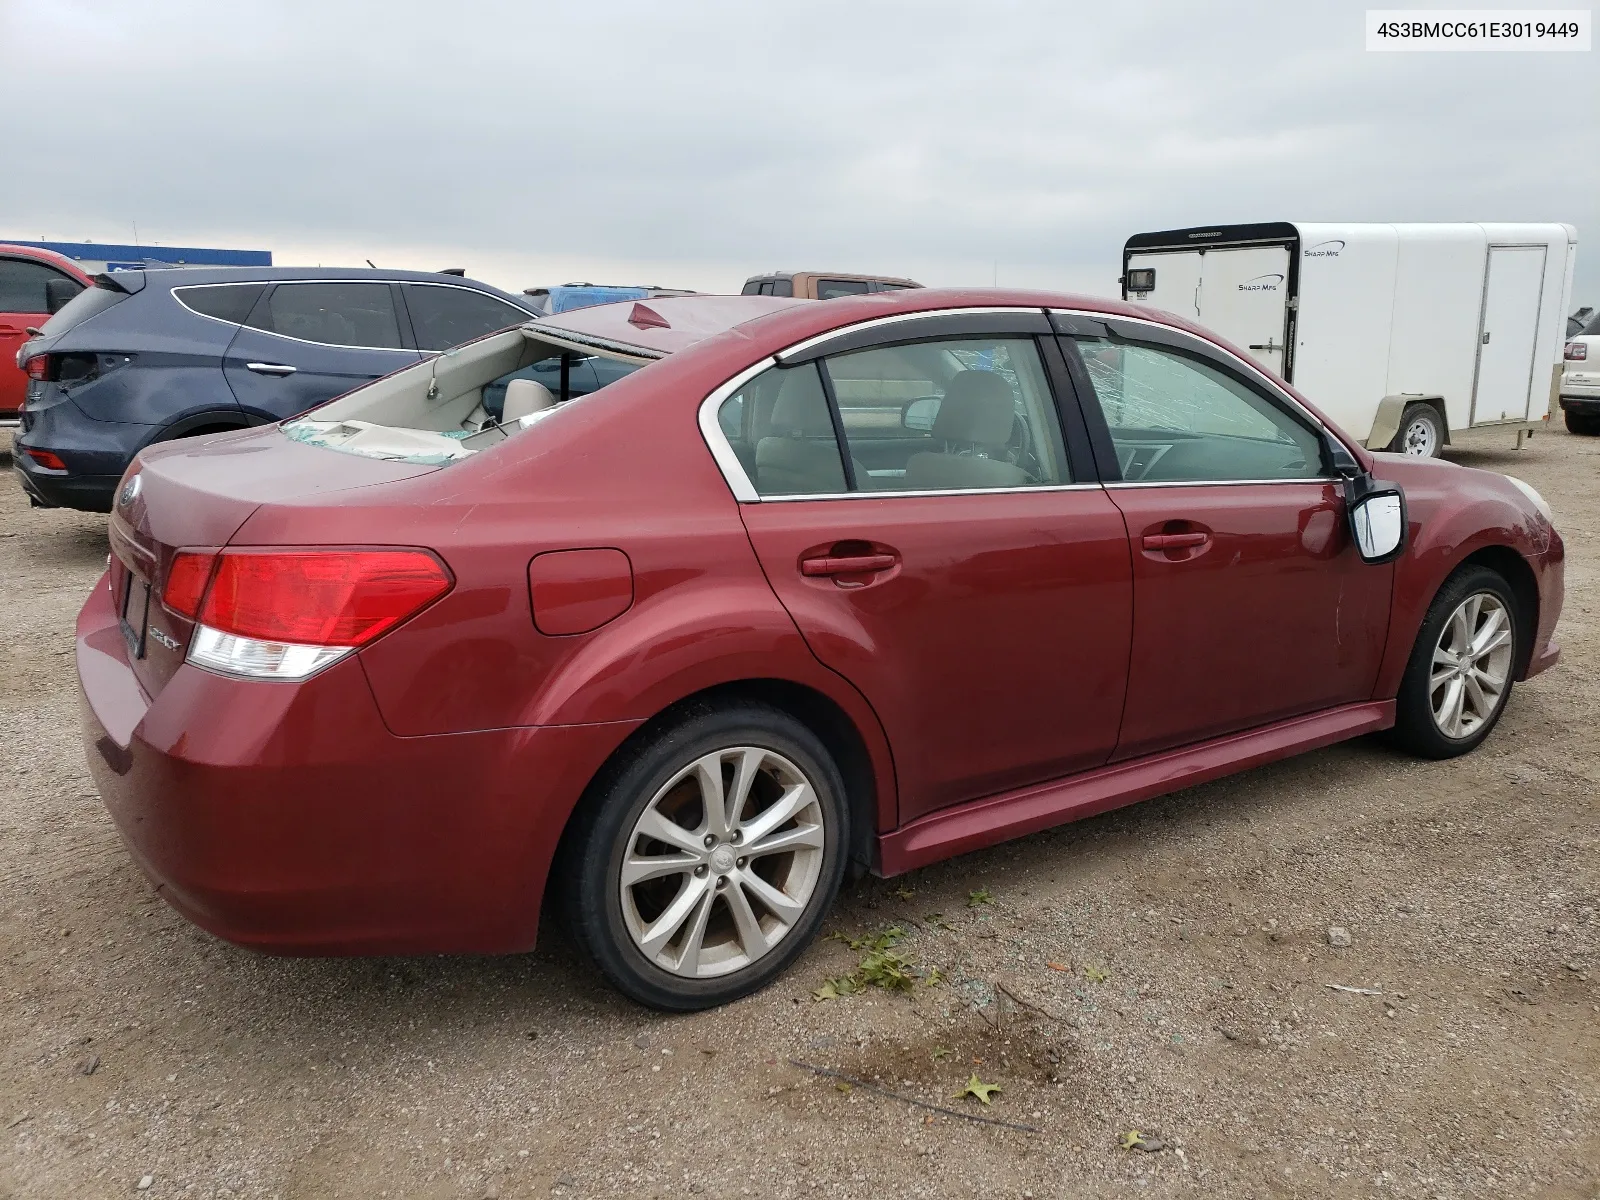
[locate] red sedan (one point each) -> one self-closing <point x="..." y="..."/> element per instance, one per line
<point x="809" y="589"/>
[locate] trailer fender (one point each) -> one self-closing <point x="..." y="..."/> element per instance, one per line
<point x="1391" y="408"/>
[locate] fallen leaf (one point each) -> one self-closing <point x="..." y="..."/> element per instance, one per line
<point x="979" y="896"/>
<point x="1131" y="1139"/>
<point x="826" y="992"/>
<point x="1055" y="966"/>
<point x="844" y="1087"/>
<point x="940" y="1053"/>
<point x="905" y="893"/>
<point x="976" y="1087"/>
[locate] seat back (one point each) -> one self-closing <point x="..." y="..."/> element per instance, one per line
<point x="524" y="396"/>
<point x="801" y="457"/>
<point x="975" y="422"/>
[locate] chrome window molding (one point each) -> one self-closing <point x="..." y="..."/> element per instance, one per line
<point x="788" y="352"/>
<point x="739" y="483"/>
<point x="1171" y="483"/>
<point x="744" y="490"/>
<point x="266" y="283"/>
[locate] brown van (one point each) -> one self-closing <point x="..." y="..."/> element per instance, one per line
<point x="822" y="285"/>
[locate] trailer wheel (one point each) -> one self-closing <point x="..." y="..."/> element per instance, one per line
<point x="1421" y="432"/>
<point x="1578" y="423"/>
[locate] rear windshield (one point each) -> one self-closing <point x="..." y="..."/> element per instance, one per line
<point x="87" y="303"/>
<point x="1592" y="329"/>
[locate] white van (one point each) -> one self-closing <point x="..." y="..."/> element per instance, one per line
<point x="1400" y="333"/>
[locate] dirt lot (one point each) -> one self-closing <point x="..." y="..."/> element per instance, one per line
<point x="1193" y="1006"/>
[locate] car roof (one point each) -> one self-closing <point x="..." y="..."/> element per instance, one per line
<point x="180" y="276"/>
<point x="660" y="325"/>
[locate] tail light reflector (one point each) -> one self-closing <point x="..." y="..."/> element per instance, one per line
<point x="38" y="367"/>
<point x="48" y="459"/>
<point x="186" y="581"/>
<point x="283" y="614"/>
<point x="1577" y="351"/>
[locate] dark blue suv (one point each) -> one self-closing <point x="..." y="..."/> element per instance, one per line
<point x="145" y="356"/>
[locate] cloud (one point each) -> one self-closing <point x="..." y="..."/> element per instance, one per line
<point x="699" y="142"/>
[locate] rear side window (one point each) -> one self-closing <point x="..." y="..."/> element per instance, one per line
<point x="87" y="303"/>
<point x="22" y="285"/>
<point x="753" y="288"/>
<point x="336" y="314"/>
<point x="782" y="287"/>
<point x="442" y="317"/>
<point x="229" y="302"/>
<point x="828" y="289"/>
<point x="780" y="427"/>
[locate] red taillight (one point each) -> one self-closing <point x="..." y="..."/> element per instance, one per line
<point x="45" y="458"/>
<point x="38" y="367"/>
<point x="186" y="581"/>
<point x="319" y="597"/>
<point x="1577" y="351"/>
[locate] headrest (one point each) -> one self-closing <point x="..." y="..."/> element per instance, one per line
<point x="977" y="408"/>
<point x="800" y="407"/>
<point x="524" y="396"/>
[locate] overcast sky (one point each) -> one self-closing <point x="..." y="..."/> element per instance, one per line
<point x="695" y="143"/>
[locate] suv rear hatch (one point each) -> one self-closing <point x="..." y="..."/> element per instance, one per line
<point x="195" y="494"/>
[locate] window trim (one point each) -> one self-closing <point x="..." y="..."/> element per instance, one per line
<point x="743" y="488"/>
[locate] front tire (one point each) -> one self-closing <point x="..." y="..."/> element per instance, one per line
<point x="709" y="856"/>
<point x="1460" y="675"/>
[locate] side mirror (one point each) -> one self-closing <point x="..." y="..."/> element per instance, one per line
<point x="919" y="415"/>
<point x="1378" y="521"/>
<point x="57" y="292"/>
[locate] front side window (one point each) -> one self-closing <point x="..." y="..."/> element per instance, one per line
<point x="442" y="316"/>
<point x="828" y="289"/>
<point x="1174" y="418"/>
<point x="337" y="314"/>
<point x="22" y="285"/>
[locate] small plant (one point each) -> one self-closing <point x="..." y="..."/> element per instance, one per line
<point x="979" y="896"/>
<point x="881" y="966"/>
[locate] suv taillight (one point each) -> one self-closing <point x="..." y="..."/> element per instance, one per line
<point x="1577" y="351"/>
<point x="40" y="367"/>
<point x="283" y="614"/>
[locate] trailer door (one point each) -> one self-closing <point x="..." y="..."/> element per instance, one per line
<point x="1508" y="332"/>
<point x="1244" y="296"/>
<point x="1176" y="279"/>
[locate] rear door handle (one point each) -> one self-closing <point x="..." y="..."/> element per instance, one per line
<point x="1174" y="541"/>
<point x="857" y="564"/>
<point x="270" y="368"/>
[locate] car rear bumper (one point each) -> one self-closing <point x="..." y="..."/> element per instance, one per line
<point x="286" y="817"/>
<point x="56" y="489"/>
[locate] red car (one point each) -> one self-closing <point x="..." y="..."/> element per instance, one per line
<point x="34" y="283"/>
<point x="816" y="589"/>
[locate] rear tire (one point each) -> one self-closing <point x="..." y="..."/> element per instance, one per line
<point x="1459" y="679"/>
<point x="1421" y="432"/>
<point x="1582" y="424"/>
<point x="680" y="909"/>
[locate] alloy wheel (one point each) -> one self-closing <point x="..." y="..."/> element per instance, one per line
<point x="1471" y="665"/>
<point x="722" y="862"/>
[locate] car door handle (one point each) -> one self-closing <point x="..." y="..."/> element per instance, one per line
<point x="1174" y="541"/>
<point x="853" y="564"/>
<point x="270" y="368"/>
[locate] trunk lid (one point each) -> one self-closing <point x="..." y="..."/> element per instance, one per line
<point x="195" y="494"/>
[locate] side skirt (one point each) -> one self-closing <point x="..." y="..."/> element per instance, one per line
<point x="995" y="819"/>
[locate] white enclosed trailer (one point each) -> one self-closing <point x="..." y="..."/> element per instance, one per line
<point x="1400" y="333"/>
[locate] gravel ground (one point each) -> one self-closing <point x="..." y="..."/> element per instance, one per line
<point x="1162" y="969"/>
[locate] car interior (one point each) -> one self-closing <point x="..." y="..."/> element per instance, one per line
<point x="458" y="402"/>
